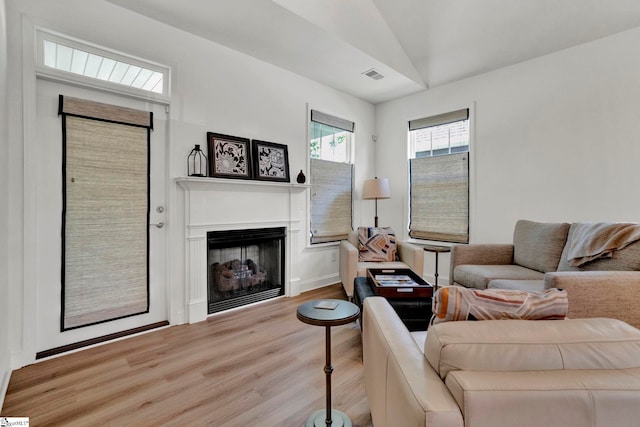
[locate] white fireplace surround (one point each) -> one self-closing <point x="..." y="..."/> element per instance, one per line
<point x="217" y="204"/>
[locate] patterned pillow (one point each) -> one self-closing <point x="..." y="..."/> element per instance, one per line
<point x="458" y="303"/>
<point x="377" y="244"/>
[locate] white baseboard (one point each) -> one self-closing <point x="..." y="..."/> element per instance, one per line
<point x="318" y="282"/>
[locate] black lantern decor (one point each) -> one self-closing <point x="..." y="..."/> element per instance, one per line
<point x="197" y="162"/>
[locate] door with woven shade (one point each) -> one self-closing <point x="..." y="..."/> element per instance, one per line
<point x="100" y="197"/>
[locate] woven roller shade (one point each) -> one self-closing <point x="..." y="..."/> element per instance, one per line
<point x="109" y="113"/>
<point x="440" y="119"/>
<point x="331" y="186"/>
<point x="329" y="120"/>
<point x="106" y="214"/>
<point x="440" y="198"/>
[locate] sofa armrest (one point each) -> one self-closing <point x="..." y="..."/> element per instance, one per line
<point x="348" y="266"/>
<point x="480" y="254"/>
<point x="402" y="388"/>
<point x="614" y="294"/>
<point x="413" y="256"/>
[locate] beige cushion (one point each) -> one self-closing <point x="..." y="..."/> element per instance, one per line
<point x="539" y="245"/>
<point x="627" y="259"/>
<point x="569" y="398"/>
<point x="518" y="285"/>
<point x="479" y="276"/>
<point x="526" y="345"/>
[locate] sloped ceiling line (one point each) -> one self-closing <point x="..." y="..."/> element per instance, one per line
<point x="415" y="44"/>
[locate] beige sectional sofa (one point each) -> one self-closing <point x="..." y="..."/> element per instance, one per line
<point x="568" y="373"/>
<point x="538" y="259"/>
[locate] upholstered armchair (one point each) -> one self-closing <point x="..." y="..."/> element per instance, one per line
<point x="353" y="264"/>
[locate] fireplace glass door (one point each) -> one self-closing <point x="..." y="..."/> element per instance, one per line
<point x="244" y="266"/>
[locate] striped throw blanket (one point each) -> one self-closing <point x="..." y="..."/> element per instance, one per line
<point x="459" y="303"/>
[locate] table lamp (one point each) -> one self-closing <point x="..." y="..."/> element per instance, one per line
<point x="377" y="188"/>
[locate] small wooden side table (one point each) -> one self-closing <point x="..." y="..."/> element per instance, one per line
<point x="437" y="250"/>
<point x="343" y="312"/>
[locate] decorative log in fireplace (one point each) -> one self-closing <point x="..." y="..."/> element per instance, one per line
<point x="244" y="266"/>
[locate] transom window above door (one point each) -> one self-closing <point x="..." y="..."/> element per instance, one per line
<point x="70" y="59"/>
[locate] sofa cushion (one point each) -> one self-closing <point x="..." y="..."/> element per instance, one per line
<point x="538" y="245"/>
<point x="479" y="276"/>
<point x="517" y="285"/>
<point x="525" y="345"/>
<point x="457" y="303"/>
<point x="377" y="244"/>
<point x="567" y="398"/>
<point x="627" y="259"/>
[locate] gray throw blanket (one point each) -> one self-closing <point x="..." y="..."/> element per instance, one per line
<point x="591" y="241"/>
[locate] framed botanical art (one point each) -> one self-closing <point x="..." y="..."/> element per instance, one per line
<point x="229" y="156"/>
<point x="270" y="161"/>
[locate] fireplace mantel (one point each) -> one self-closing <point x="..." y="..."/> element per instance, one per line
<point x="216" y="204"/>
<point x="197" y="183"/>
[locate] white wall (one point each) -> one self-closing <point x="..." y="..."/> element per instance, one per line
<point x="556" y="139"/>
<point x="4" y="220"/>
<point x="213" y="89"/>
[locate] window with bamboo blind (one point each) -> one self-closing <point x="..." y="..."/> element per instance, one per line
<point x="439" y="177"/>
<point x="331" y="177"/>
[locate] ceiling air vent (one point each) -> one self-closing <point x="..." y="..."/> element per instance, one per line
<point x="373" y="74"/>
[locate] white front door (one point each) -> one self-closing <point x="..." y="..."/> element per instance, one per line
<point x="48" y="204"/>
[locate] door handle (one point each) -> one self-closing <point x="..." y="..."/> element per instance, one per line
<point x="159" y="224"/>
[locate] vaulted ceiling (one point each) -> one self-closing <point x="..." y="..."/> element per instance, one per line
<point x="414" y="44"/>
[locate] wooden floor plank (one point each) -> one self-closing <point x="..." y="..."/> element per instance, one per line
<point x="258" y="365"/>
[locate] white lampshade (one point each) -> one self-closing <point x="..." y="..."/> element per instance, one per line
<point x="377" y="188"/>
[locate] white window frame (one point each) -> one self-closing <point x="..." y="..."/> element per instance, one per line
<point x="349" y="133"/>
<point x="44" y="71"/>
<point x="350" y="156"/>
<point x="411" y="155"/>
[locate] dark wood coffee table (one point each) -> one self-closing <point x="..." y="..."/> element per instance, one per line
<point x="413" y="310"/>
<point x="398" y="283"/>
<point x="344" y="312"/>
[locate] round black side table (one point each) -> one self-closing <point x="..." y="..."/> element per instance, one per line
<point x="437" y="249"/>
<point x="328" y="313"/>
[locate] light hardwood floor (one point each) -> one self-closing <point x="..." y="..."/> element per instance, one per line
<point x="257" y="366"/>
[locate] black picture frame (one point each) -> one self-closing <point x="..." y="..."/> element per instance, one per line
<point x="229" y="156"/>
<point x="270" y="161"/>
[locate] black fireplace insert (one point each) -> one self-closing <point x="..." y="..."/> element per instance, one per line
<point x="244" y="266"/>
